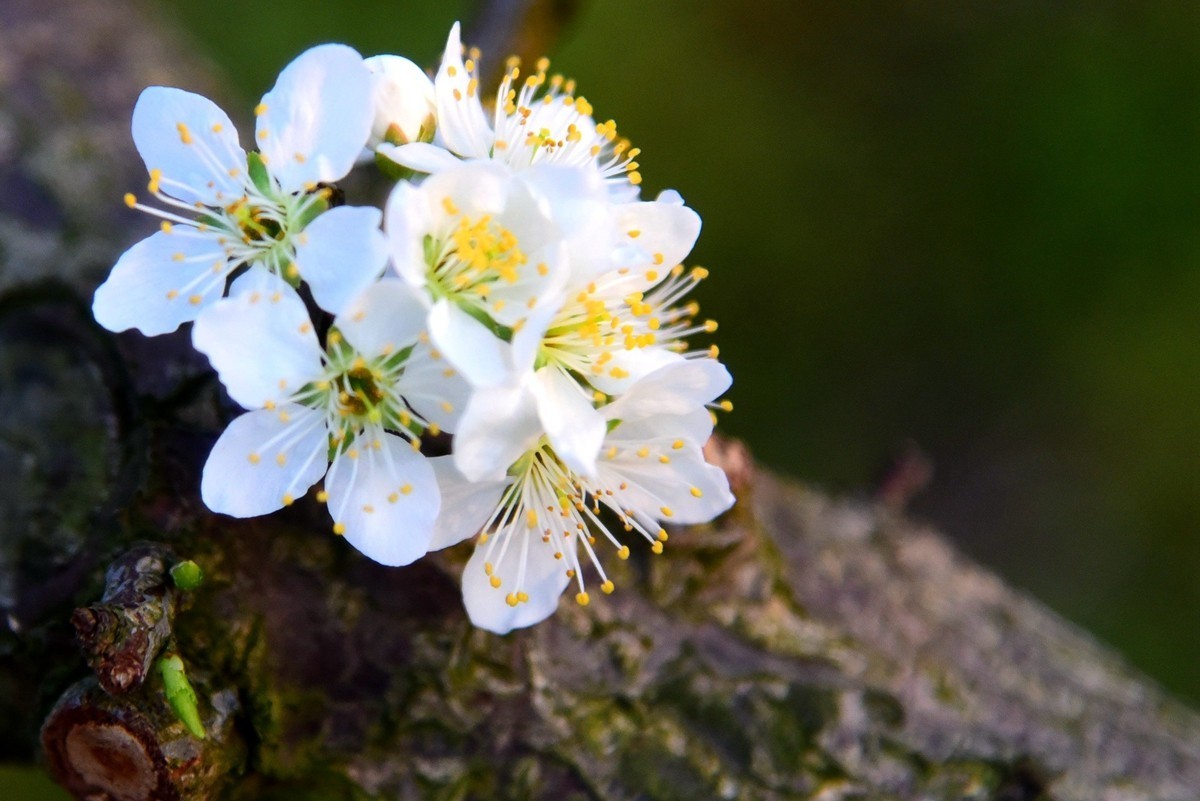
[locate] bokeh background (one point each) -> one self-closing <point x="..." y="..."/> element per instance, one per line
<point x="973" y="226"/>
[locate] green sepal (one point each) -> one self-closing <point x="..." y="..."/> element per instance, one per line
<point x="612" y="424"/>
<point x="187" y="575"/>
<point x="258" y="173"/>
<point x="180" y="694"/>
<point x="395" y="172"/>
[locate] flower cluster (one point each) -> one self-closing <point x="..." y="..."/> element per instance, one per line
<point x="514" y="292"/>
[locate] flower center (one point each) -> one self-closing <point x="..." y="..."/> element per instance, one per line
<point x="477" y="256"/>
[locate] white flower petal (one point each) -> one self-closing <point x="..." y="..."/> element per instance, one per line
<point x="434" y="389"/>
<point x="529" y="338"/>
<point x="575" y="429"/>
<point x="482" y="358"/>
<point x="340" y="254"/>
<point x="161" y="282"/>
<point x="466" y="505"/>
<point x="264" y="459"/>
<point x="192" y="142"/>
<point x="462" y="125"/>
<point x="664" y="232"/>
<point x="317" y="117"/>
<point x="386" y="497"/>
<point x="474" y="188"/>
<point x="384" y="319"/>
<point x="408" y="222"/>
<point x="686" y="487"/>
<point x="544" y="581"/>
<point x="631" y="366"/>
<point x="695" y="427"/>
<point x="499" y="425"/>
<point x="402" y="95"/>
<point x="420" y="156"/>
<point x="261" y="344"/>
<point x="675" y="389"/>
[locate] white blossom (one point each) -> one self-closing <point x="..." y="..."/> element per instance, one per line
<point x="538" y="120"/>
<point x="222" y="209"/>
<point x="543" y="522"/>
<point x="352" y="412"/>
<point x="404" y="102"/>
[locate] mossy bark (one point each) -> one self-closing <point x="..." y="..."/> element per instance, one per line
<point x="801" y="647"/>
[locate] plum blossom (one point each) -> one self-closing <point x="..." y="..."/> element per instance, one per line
<point x="538" y="120"/>
<point x="542" y="521"/>
<point x="222" y="209"/>
<point x="352" y="412"/>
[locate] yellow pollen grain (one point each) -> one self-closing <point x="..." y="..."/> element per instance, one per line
<point x="254" y="458"/>
<point x="177" y="257"/>
<point x="656" y="548"/>
<point x="322" y="497"/>
<point x="635" y="178"/>
<point x="406" y="489"/>
<point x="185" y="135"/>
<point x="651" y="275"/>
<point x="662" y="535"/>
<point x="165" y="226"/>
<point x="172" y="294"/>
<point x="696" y="492"/>
<point x="623" y="553"/>
<point x="666" y="511"/>
<point x="452" y="70"/>
<point x="281" y="459"/>
<point x="487" y="568"/>
<point x="710" y="326"/>
<point x="299" y="157"/>
<point x="582" y="599"/>
<point x="511" y="599"/>
<point x="339" y="528"/>
<point x="643" y="452"/>
<point x="664" y="459"/>
<point x="392" y="498"/>
<point x="523" y="597"/>
<point x="607" y="587"/>
<point x="288" y="500"/>
<point x="195" y="300"/>
<point x="677" y="444"/>
<point x="726" y="406"/>
<point x="264" y="133"/>
<point x="457" y="95"/>
<point x="634" y="234"/>
<point x="368" y="508"/>
<point x="571" y="573"/>
<point x="495" y="581"/>
<point x="260" y="109"/>
<point x="130" y="199"/>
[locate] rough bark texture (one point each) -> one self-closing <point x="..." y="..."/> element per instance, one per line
<point x="802" y="647"/>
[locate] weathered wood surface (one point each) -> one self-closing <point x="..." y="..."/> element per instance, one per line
<point x="803" y="647"/>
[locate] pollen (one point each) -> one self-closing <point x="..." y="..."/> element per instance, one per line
<point x="185" y="135"/>
<point x="339" y="528"/>
<point x="582" y="599"/>
<point x="406" y="489"/>
<point x="495" y="581"/>
<point x="288" y="500"/>
<point x="623" y="553"/>
<point x="195" y="300"/>
<point x="662" y="535"/>
<point x="656" y="548"/>
<point x="322" y="497"/>
<point x="677" y="444"/>
<point x="165" y="226"/>
<point x="130" y="199"/>
<point x="666" y="511"/>
<point x="607" y="587"/>
<point x="696" y="492"/>
<point x="254" y="458"/>
<point x="260" y="109"/>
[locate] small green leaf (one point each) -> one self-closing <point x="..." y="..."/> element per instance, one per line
<point x="180" y="694"/>
<point x="187" y="575"/>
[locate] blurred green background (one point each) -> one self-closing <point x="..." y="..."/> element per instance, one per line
<point x="971" y="225"/>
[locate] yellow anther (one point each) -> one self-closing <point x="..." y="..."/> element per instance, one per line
<point x="623" y="553"/>
<point x="582" y="599"/>
<point x="254" y="458"/>
<point x="155" y="179"/>
<point x="264" y="133"/>
<point x="677" y="444"/>
<point x="511" y="599"/>
<point x="281" y="459"/>
<point x="666" y="511"/>
<point x="656" y="548"/>
<point x="664" y="459"/>
<point x="392" y="498"/>
<point x="635" y="178"/>
<point x="130" y="199"/>
<point x="710" y="326"/>
<point x="523" y="597"/>
<point x="406" y="489"/>
<point x="607" y="587"/>
<point x="643" y="452"/>
<point x="457" y="95"/>
<point x="726" y="405"/>
<point x="339" y="528"/>
<point x="185" y="135"/>
<point x="651" y="275"/>
<point x="531" y="518"/>
<point x="288" y="500"/>
<point x="699" y="273"/>
<point x="172" y="294"/>
<point x="452" y="70"/>
<point x="662" y="535"/>
<point x="472" y="86"/>
<point x="449" y="206"/>
<point x="195" y="300"/>
<point x="260" y="109"/>
<point x="165" y="226"/>
<point x="487" y="568"/>
<point x="322" y="497"/>
<point x="368" y="508"/>
<point x="696" y="492"/>
<point x="495" y="581"/>
<point x="299" y="157"/>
